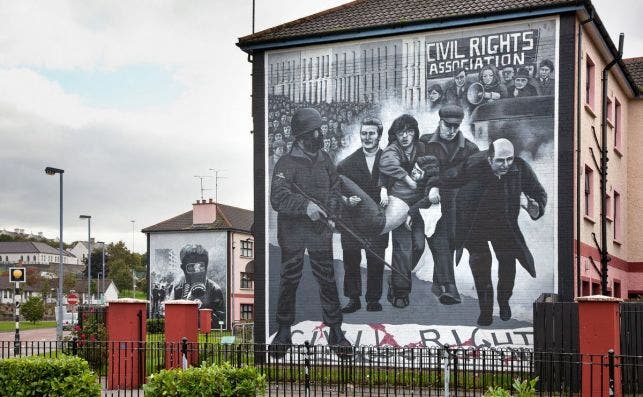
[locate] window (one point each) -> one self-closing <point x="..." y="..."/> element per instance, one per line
<point x="327" y="65"/>
<point x="247" y="280"/>
<point x="247" y="312"/>
<point x="34" y="258"/>
<point x="617" y="124"/>
<point x="344" y="62"/>
<point x="589" y="81"/>
<point x="596" y="288"/>
<point x="585" y="288"/>
<point x="617" y="289"/>
<point x="246" y="248"/>
<point x="336" y="64"/>
<point x="589" y="192"/>
<point x="617" y="216"/>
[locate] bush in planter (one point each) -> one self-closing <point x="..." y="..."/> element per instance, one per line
<point x="207" y="381"/>
<point x="47" y="376"/>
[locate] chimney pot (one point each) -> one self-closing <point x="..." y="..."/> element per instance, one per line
<point x="210" y="201"/>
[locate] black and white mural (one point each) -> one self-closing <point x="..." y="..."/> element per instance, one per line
<point x="189" y="266"/>
<point x="411" y="188"/>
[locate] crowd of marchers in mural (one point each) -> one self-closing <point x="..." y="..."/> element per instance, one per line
<point x="374" y="194"/>
<point x="490" y="83"/>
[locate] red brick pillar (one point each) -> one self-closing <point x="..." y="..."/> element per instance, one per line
<point x="205" y="320"/>
<point x="126" y="333"/>
<point x="181" y="318"/>
<point x="599" y="328"/>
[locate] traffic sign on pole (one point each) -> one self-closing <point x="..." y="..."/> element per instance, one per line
<point x="72" y="299"/>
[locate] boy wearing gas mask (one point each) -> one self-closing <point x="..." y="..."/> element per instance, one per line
<point x="195" y="285"/>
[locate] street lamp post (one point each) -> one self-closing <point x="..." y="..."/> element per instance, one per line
<point x="59" y="297"/>
<point x="101" y="278"/>
<point x="103" y="273"/>
<point x="89" y="255"/>
<point x="133" y="222"/>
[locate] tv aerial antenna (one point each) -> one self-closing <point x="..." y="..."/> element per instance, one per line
<point x="216" y="182"/>
<point x="201" y="178"/>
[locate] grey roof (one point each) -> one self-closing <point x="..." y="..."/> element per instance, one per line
<point x="635" y="67"/>
<point x="372" y="16"/>
<point x="28" y="247"/>
<point x="228" y="218"/>
<point x="95" y="244"/>
<point x="360" y="15"/>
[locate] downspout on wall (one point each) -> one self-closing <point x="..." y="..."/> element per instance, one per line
<point x="578" y="147"/>
<point x="604" y="159"/>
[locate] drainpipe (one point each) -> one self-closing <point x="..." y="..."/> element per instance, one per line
<point x="578" y="147"/>
<point x="604" y="159"/>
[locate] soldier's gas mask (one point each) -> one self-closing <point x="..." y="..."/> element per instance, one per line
<point x="195" y="278"/>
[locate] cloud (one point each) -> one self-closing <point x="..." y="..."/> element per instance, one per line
<point x="125" y="162"/>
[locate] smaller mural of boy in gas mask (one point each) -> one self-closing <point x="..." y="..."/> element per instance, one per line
<point x="195" y="286"/>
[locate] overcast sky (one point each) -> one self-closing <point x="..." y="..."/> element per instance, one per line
<point x="133" y="99"/>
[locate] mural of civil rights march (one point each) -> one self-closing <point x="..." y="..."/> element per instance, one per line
<point x="411" y="195"/>
<point x="189" y="266"/>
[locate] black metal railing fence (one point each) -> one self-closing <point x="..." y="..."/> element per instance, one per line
<point x="123" y="367"/>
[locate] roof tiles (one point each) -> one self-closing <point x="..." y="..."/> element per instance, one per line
<point x="228" y="217"/>
<point x="362" y="15"/>
<point x="635" y="67"/>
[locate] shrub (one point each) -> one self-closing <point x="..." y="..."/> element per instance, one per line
<point x="207" y="381"/>
<point x="47" y="376"/>
<point x="155" y="325"/>
<point x="33" y="309"/>
<point x="89" y="337"/>
<point x="497" y="392"/>
<point x="526" y="388"/>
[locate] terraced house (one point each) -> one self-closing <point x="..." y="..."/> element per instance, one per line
<point x="547" y="203"/>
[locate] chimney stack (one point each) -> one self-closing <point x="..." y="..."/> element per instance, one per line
<point x="204" y="213"/>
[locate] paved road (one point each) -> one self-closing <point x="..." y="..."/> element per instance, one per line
<point x="32" y="335"/>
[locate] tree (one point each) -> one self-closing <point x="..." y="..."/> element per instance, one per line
<point x="97" y="263"/>
<point x="121" y="273"/>
<point x="69" y="282"/>
<point x="33" y="309"/>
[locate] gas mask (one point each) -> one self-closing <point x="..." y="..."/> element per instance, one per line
<point x="195" y="279"/>
<point x="313" y="141"/>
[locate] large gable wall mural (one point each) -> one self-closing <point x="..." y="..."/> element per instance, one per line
<point x="411" y="187"/>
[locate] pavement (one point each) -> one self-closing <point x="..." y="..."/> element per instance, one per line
<point x="32" y="335"/>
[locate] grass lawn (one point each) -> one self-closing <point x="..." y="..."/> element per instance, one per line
<point x="132" y="294"/>
<point x="25" y="325"/>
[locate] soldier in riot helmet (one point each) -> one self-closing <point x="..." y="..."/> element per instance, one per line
<point x="305" y="194"/>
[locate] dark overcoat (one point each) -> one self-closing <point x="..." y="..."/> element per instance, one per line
<point x="354" y="167"/>
<point x="476" y="176"/>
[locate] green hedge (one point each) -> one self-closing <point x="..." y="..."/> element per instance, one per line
<point x="47" y="376"/>
<point x="207" y="381"/>
<point x="155" y="325"/>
